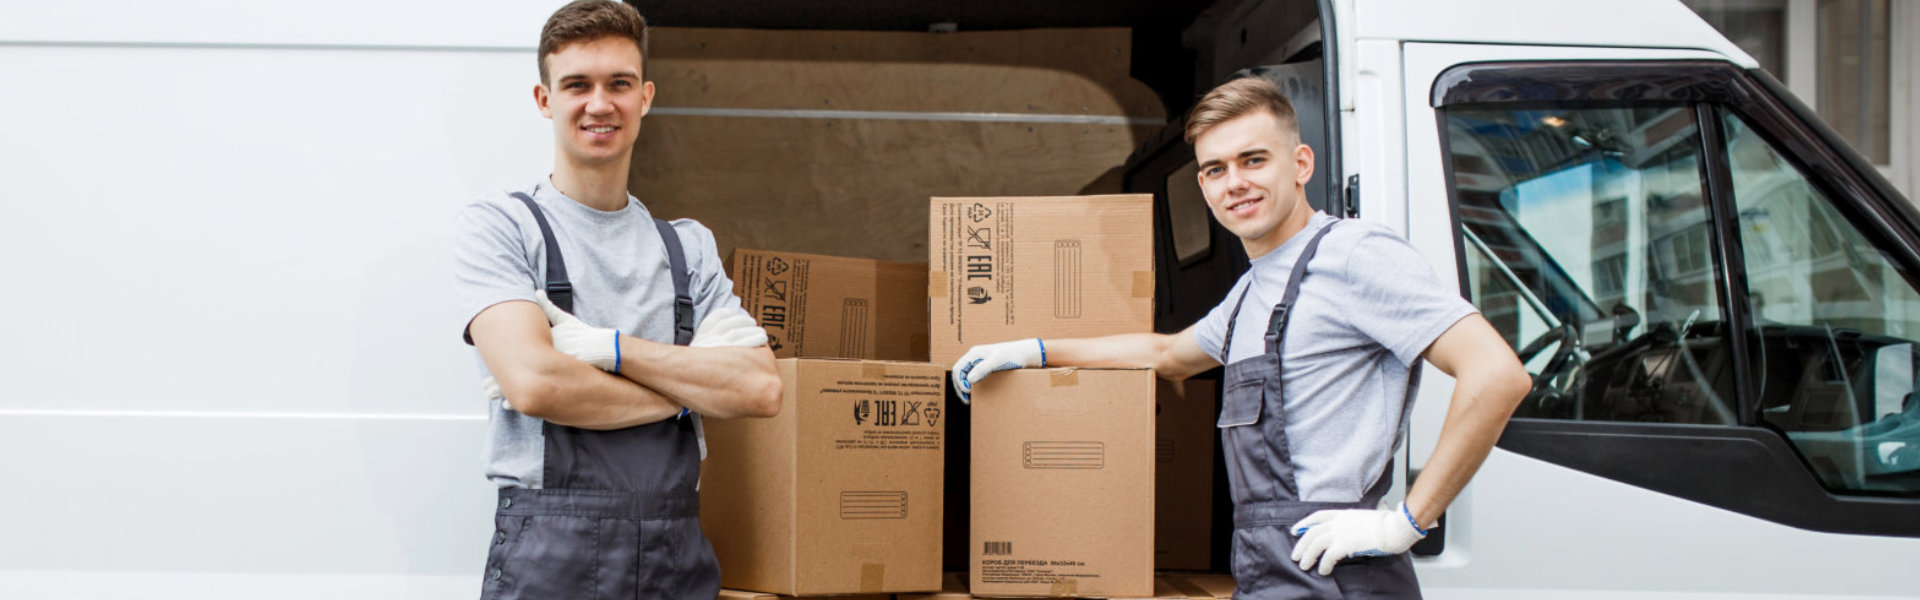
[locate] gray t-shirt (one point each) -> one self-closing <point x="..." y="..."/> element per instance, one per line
<point x="618" y="268"/>
<point x="1368" y="309"/>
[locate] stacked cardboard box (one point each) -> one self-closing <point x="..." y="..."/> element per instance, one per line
<point x="1062" y="469"/>
<point x="1010" y="268"/>
<point x="815" y="306"/>
<point x="1060" y="463"/>
<point x="838" y="494"/>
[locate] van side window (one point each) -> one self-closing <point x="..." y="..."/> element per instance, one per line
<point x="1834" y="325"/>
<point x="1589" y="245"/>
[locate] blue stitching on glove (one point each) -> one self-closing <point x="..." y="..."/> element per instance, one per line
<point x="616" y="351"/>
<point x="1043" y="352"/>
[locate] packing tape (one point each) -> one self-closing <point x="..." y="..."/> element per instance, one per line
<point x="873" y="577"/>
<point x="1143" y="284"/>
<point x="1064" y="377"/>
<point x="873" y="370"/>
<point x="936" y="284"/>
<point x="1064" y="588"/>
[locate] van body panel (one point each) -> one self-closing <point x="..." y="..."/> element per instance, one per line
<point x="1613" y="24"/>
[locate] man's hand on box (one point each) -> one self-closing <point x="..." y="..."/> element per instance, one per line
<point x="981" y="360"/>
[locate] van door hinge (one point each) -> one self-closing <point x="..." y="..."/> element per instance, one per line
<point x="1351" y="204"/>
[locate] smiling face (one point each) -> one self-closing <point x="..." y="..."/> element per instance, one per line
<point x="1254" y="172"/>
<point x="595" y="98"/>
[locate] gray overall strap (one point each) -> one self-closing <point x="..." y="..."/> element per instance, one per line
<point x="682" y="282"/>
<point x="1277" y="324"/>
<point x="559" y="288"/>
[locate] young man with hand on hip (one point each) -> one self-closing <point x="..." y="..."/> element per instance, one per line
<point x="582" y="309"/>
<point x="1322" y="340"/>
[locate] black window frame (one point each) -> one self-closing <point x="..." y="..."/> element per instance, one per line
<point x="1750" y="468"/>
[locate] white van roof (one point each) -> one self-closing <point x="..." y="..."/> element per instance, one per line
<point x="1613" y="23"/>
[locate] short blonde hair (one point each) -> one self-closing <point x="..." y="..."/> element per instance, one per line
<point x="1241" y="97"/>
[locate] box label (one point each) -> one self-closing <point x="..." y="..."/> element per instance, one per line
<point x="1027" y="571"/>
<point x="978" y="259"/>
<point x="776" y="296"/>
<point x="899" y="412"/>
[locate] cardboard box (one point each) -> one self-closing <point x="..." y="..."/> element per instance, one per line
<point x="1010" y="268"/>
<point x="1062" y="480"/>
<point x="953" y="586"/>
<point x="1183" y="474"/>
<point x="838" y="494"/>
<point x="816" y="306"/>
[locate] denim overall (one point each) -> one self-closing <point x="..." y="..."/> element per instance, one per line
<point x="1266" y="500"/>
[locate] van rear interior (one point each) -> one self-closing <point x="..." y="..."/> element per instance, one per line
<point x="832" y="142"/>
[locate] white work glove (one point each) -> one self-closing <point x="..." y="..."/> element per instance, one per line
<point x="1329" y="536"/>
<point x="729" y="328"/>
<point x="988" y="358"/>
<point x="571" y="336"/>
<point x="492" y="388"/>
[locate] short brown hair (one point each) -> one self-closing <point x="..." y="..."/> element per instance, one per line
<point x="1240" y="97"/>
<point x="588" y="20"/>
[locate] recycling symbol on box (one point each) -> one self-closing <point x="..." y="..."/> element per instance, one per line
<point x="979" y="212"/>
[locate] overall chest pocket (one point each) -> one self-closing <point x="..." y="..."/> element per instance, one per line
<point x="1241" y="404"/>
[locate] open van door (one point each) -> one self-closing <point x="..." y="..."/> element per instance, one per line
<point x="1719" y="303"/>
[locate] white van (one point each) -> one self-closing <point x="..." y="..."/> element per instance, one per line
<point x="232" y="371"/>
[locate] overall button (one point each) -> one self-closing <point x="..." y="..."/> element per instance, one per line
<point x="506" y="503"/>
<point x="499" y="537"/>
<point x="496" y="574"/>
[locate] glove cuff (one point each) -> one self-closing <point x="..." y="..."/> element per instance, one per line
<point x="1411" y="522"/>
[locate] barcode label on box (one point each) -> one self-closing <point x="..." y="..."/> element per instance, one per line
<point x="998" y="549"/>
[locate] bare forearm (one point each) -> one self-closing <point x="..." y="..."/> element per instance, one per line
<point x="569" y="392"/>
<point x="1476" y="415"/>
<point x="1128" y="350"/>
<point x="723" y="382"/>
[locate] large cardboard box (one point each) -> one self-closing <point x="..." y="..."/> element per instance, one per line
<point x="1183" y="475"/>
<point x="1062" y="484"/>
<point x="1009" y="268"/>
<point x="838" y="494"/>
<point x="816" y="306"/>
